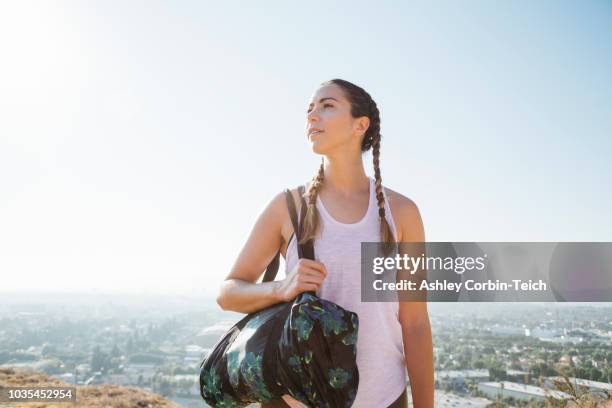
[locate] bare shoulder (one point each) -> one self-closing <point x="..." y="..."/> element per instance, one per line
<point x="406" y="216"/>
<point x="296" y="198"/>
<point x="400" y="201"/>
<point x="281" y="212"/>
<point x="278" y="204"/>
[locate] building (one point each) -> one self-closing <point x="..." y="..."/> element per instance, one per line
<point x="447" y="400"/>
<point x="517" y="376"/>
<point x="458" y="378"/>
<point x="134" y="370"/>
<point x="499" y="330"/>
<point x="494" y="389"/>
<point x="209" y="336"/>
<point x="194" y="355"/>
<point x="579" y="383"/>
<point x="443" y="399"/>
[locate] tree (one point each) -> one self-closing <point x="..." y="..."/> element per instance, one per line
<point x="146" y="358"/>
<point x="99" y="360"/>
<point x="48" y="350"/>
<point x="541" y="369"/>
<point x="595" y="374"/>
<point x="115" y="352"/>
<point x="488" y="350"/>
<point x="165" y="387"/>
<point x="4" y="357"/>
<point x="50" y="366"/>
<point x="497" y="374"/>
<point x="185" y="386"/>
<point x="129" y="347"/>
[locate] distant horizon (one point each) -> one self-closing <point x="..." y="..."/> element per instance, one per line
<point x="25" y="297"/>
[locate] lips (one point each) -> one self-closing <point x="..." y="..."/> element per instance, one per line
<point x="312" y="131"/>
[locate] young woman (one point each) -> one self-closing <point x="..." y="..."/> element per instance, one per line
<point x="345" y="207"/>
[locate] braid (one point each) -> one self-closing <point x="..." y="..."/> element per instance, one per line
<point x="371" y="139"/>
<point x="386" y="235"/>
<point x="311" y="220"/>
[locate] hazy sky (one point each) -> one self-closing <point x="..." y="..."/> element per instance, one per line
<point x="139" y="141"/>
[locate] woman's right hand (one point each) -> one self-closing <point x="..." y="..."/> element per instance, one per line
<point x="306" y="275"/>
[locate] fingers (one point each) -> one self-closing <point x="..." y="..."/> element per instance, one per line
<point x="303" y="271"/>
<point x="313" y="265"/>
<point x="311" y="286"/>
<point x="310" y="277"/>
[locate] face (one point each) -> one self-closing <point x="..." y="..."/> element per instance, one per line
<point x="330" y="111"/>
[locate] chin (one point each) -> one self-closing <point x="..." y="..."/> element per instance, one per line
<point x="317" y="148"/>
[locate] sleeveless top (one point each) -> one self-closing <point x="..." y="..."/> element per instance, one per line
<point x="380" y="352"/>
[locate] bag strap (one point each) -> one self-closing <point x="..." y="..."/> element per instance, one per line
<point x="272" y="268"/>
<point x="293" y="216"/>
<point x="303" y="249"/>
<point x="308" y="247"/>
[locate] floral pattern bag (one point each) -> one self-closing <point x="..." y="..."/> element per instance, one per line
<point x="305" y="348"/>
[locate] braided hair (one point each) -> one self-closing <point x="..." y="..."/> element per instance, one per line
<point x="362" y="104"/>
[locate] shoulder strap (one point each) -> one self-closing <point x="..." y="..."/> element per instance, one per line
<point x="272" y="268"/>
<point x="308" y="247"/>
<point x="293" y="215"/>
<point x="304" y="250"/>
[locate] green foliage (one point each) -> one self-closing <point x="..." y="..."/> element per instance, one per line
<point x="100" y="361"/>
<point x="143" y="358"/>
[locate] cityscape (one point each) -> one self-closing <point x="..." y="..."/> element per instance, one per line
<point x="511" y="354"/>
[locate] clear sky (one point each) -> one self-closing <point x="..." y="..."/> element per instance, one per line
<point x="140" y="140"/>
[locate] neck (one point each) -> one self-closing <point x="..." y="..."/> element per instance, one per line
<point x="345" y="175"/>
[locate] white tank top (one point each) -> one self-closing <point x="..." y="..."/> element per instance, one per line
<point x="380" y="352"/>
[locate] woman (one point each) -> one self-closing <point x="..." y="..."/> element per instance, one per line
<point x="345" y="208"/>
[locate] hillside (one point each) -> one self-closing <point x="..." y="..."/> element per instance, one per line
<point x="99" y="396"/>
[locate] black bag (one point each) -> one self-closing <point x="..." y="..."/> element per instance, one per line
<point x="306" y="348"/>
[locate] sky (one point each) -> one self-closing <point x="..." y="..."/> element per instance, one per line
<point x="139" y="141"/>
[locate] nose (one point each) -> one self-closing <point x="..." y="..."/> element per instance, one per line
<point x="312" y="116"/>
<point x="311" y="120"/>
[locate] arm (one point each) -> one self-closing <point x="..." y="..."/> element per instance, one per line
<point x="240" y="291"/>
<point x="413" y="316"/>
